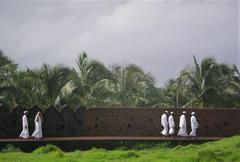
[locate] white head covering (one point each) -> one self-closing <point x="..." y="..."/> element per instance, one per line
<point x="184" y="112"/>
<point x="171" y="113"/>
<point x="166" y="111"/>
<point x="25" y="112"/>
<point x="193" y="113"/>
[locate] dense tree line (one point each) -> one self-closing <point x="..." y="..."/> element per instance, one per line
<point x="205" y="84"/>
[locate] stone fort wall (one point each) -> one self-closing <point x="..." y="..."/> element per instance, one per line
<point x="100" y="121"/>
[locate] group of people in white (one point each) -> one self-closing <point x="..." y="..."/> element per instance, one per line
<point x="168" y="125"/>
<point x="38" y="126"/>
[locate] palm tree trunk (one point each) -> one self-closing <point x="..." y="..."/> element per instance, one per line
<point x="177" y="98"/>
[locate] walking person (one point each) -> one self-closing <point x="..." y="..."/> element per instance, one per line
<point x="164" y="123"/>
<point x="171" y="124"/>
<point x="25" y="133"/>
<point x="183" y="125"/>
<point x="194" y="125"/>
<point x="38" y="126"/>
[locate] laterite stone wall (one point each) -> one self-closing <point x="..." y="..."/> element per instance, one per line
<point x="146" y="121"/>
<point x="116" y="121"/>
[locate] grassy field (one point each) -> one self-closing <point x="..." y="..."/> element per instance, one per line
<point x="227" y="150"/>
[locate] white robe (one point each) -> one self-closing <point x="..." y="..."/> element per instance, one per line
<point x="38" y="127"/>
<point x="182" y="126"/>
<point x="171" y="125"/>
<point x="164" y="123"/>
<point x="194" y="126"/>
<point x="25" y="132"/>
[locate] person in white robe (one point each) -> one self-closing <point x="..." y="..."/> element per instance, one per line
<point x="164" y="123"/>
<point x="25" y="132"/>
<point x="194" y="125"/>
<point x="38" y="126"/>
<point x="183" y="125"/>
<point x="171" y="124"/>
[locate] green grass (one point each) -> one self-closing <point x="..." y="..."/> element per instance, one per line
<point x="226" y="150"/>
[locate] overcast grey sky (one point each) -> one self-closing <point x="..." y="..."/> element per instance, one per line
<point x="160" y="36"/>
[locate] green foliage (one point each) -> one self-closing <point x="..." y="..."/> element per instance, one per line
<point x="47" y="149"/>
<point x="226" y="150"/>
<point x="10" y="148"/>
<point x="129" y="154"/>
<point x="204" y="84"/>
<point x="128" y="145"/>
<point x="209" y="156"/>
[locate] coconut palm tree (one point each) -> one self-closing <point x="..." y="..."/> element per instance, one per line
<point x="40" y="87"/>
<point x="49" y="82"/>
<point x="231" y="94"/>
<point x="86" y="78"/>
<point x="129" y="85"/>
<point x="205" y="82"/>
<point x="177" y="91"/>
<point x="7" y="86"/>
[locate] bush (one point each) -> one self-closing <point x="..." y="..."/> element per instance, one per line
<point x="208" y="155"/>
<point x="133" y="145"/>
<point x="47" y="149"/>
<point x="10" y="148"/>
<point x="129" y="154"/>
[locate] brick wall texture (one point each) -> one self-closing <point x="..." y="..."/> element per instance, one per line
<point x="100" y="121"/>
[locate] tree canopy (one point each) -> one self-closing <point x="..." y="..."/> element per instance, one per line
<point x="203" y="84"/>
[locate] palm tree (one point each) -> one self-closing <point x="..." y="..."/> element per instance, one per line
<point x="49" y="82"/>
<point x="54" y="79"/>
<point x="86" y="79"/>
<point x="177" y="91"/>
<point x="129" y="85"/>
<point x="40" y="87"/>
<point x="7" y="86"/>
<point x="231" y="94"/>
<point x="206" y="82"/>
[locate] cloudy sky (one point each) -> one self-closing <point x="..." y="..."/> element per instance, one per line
<point x="160" y="36"/>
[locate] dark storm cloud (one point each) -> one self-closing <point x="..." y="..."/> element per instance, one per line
<point x="160" y="36"/>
